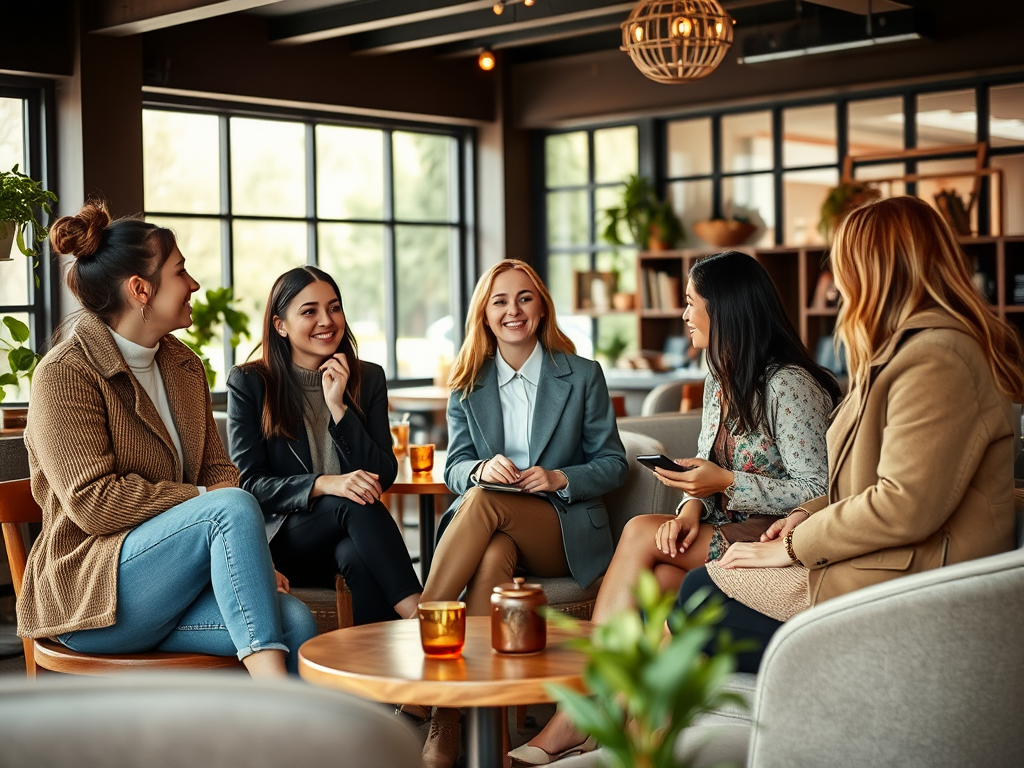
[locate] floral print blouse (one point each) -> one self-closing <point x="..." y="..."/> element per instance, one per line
<point x="778" y="470"/>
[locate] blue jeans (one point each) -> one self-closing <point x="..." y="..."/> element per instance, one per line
<point x="198" y="578"/>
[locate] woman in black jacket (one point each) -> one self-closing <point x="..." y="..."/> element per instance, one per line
<point x="308" y="429"/>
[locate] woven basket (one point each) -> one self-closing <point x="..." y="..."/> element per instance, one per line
<point x="724" y="233"/>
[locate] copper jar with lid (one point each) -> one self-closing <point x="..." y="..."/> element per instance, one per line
<point x="516" y="624"/>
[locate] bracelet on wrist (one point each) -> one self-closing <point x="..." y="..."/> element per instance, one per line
<point x="798" y="509"/>
<point x="788" y="541"/>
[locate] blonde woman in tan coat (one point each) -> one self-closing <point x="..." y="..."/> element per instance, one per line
<point x="147" y="543"/>
<point x="921" y="451"/>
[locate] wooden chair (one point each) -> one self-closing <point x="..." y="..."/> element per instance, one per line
<point x="17" y="506"/>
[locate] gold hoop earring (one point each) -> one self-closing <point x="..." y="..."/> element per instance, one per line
<point x="146" y="318"/>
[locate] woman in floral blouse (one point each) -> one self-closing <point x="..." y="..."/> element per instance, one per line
<point x="760" y="454"/>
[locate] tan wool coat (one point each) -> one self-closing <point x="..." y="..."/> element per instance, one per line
<point x="101" y="463"/>
<point x="920" y="465"/>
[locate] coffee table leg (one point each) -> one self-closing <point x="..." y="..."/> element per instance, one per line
<point x="483" y="740"/>
<point x="426" y="534"/>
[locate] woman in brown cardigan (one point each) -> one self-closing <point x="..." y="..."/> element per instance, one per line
<point x="921" y="452"/>
<point x="147" y="543"/>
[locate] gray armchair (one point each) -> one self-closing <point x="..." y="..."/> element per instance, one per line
<point x="181" y="721"/>
<point x="922" y="671"/>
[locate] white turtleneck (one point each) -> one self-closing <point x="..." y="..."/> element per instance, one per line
<point x="142" y="363"/>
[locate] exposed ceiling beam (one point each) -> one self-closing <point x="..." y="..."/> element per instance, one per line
<point x="481" y="24"/>
<point x="534" y="36"/>
<point x="132" y="17"/>
<point x="341" y="21"/>
<point x="862" y="7"/>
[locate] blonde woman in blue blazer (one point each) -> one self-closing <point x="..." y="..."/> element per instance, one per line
<point x="526" y="412"/>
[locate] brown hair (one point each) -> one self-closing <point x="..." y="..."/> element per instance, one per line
<point x="480" y="343"/>
<point x="895" y="257"/>
<point x="282" y="406"/>
<point x="107" y="253"/>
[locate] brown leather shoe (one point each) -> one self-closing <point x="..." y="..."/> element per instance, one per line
<point x="442" y="744"/>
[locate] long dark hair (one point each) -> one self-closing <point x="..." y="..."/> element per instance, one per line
<point x="282" y="407"/>
<point x="750" y="338"/>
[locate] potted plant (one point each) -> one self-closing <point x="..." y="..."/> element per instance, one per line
<point x="21" y="198"/>
<point x="651" y="222"/>
<point x="21" y="363"/>
<point x="646" y="687"/>
<point x="842" y="199"/>
<point x="206" y="315"/>
<point x="612" y="348"/>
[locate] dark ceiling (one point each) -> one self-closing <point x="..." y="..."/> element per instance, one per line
<point x="451" y="28"/>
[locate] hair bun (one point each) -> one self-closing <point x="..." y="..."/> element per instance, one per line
<point x="80" y="235"/>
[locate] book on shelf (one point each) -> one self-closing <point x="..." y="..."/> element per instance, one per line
<point x="659" y="289"/>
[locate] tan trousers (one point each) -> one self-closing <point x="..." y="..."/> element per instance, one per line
<point x="491" y="533"/>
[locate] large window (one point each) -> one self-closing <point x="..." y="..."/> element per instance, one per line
<point x="775" y="164"/>
<point x="382" y="209"/>
<point x="584" y="175"/>
<point x="22" y="279"/>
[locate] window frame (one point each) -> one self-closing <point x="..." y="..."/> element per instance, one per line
<point x="462" y="257"/>
<point x="653" y="150"/>
<point x="43" y="307"/>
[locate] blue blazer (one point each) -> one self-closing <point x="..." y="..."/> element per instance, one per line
<point x="573" y="430"/>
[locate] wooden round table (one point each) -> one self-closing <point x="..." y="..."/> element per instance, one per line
<point x="384" y="662"/>
<point x="426" y="485"/>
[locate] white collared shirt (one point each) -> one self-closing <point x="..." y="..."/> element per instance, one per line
<point x="517" y="391"/>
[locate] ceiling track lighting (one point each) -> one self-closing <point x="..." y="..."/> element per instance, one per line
<point x="500" y="5"/>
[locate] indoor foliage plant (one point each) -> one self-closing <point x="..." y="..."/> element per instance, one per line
<point x="842" y="199"/>
<point x="217" y="308"/>
<point x="21" y="199"/>
<point x="21" y="359"/>
<point x="644" y="687"/>
<point x="651" y="222"/>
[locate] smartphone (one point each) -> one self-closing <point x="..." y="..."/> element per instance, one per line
<point x="662" y="461"/>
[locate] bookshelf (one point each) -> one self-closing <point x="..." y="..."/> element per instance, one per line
<point x="797" y="272"/>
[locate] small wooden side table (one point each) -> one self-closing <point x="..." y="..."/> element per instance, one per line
<point x="384" y="662"/>
<point x="426" y="485"/>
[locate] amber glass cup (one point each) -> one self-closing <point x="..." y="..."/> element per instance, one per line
<point x="421" y="457"/>
<point x="443" y="629"/>
<point x="400" y="438"/>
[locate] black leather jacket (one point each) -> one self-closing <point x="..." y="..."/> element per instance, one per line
<point x="279" y="473"/>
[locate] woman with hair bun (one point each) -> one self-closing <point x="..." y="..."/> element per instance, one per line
<point x="308" y="429"/>
<point x="147" y="542"/>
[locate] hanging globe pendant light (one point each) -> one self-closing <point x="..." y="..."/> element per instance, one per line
<point x="676" y="41"/>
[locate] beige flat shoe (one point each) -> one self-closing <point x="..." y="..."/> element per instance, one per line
<point x="529" y="755"/>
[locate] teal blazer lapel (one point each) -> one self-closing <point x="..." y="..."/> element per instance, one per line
<point x="552" y="394"/>
<point x="483" y="406"/>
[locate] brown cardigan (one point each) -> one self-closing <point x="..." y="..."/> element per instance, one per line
<point x="920" y="465"/>
<point x="101" y="463"/>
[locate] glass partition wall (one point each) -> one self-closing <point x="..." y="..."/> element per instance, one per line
<point x="774" y="165"/>
<point x="382" y="209"/>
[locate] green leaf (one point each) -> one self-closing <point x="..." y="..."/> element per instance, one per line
<point x="18" y="329"/>
<point x="21" y="359"/>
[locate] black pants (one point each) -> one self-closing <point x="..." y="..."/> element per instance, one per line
<point x="362" y="543"/>
<point x="742" y="622"/>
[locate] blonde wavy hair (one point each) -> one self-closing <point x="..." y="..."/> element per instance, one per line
<point x="894" y="257"/>
<point x="480" y="343"/>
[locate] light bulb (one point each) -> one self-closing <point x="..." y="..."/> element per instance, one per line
<point x="498" y="8"/>
<point x="638" y="33"/>
<point x="718" y="28"/>
<point x="486" y="61"/>
<point x="681" y="27"/>
<point x="528" y="3"/>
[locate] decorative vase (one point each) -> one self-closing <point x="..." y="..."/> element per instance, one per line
<point x="724" y="233"/>
<point x="624" y="301"/>
<point x="7" y="230"/>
